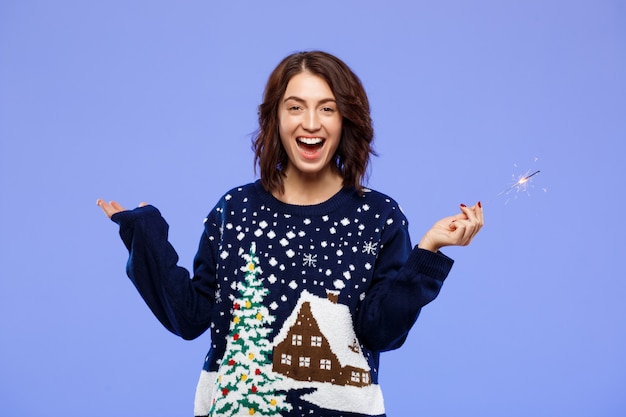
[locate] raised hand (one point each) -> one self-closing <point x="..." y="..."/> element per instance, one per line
<point x="457" y="230"/>
<point x="112" y="207"/>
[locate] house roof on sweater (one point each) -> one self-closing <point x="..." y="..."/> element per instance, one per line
<point x="335" y="323"/>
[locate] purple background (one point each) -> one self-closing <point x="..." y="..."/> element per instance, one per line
<point x="155" y="101"/>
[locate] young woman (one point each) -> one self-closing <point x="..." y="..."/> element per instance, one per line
<point x="304" y="276"/>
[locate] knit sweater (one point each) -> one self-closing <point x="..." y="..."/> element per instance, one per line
<point x="299" y="300"/>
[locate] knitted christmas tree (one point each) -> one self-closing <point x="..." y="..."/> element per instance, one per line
<point x="245" y="380"/>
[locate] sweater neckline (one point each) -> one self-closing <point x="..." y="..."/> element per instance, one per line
<point x="339" y="199"/>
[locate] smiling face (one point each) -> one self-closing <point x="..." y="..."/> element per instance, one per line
<point x="309" y="127"/>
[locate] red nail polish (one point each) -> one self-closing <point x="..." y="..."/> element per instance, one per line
<point x="463" y="205"/>
<point x="480" y="205"/>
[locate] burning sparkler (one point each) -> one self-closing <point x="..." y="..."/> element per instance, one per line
<point x="520" y="185"/>
<point x="523" y="180"/>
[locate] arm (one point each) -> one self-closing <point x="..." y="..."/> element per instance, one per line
<point x="181" y="304"/>
<point x="404" y="281"/>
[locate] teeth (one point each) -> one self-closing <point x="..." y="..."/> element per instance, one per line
<point x="311" y="141"/>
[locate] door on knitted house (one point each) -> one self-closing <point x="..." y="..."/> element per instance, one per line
<point x="317" y="343"/>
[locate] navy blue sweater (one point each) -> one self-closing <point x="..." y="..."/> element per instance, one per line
<point x="300" y="300"/>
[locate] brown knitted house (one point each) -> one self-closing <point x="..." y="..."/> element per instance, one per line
<point x="317" y="343"/>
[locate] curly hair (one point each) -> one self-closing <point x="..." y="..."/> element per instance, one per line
<point x="355" y="146"/>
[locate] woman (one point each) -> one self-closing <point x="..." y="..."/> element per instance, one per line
<point x="303" y="276"/>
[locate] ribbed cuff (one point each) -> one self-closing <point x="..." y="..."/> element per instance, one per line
<point x="436" y="265"/>
<point x="126" y="217"/>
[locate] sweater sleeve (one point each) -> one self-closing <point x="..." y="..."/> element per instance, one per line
<point x="181" y="304"/>
<point x="404" y="281"/>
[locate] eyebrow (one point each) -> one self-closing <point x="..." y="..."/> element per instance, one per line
<point x="299" y="100"/>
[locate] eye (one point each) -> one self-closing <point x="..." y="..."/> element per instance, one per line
<point x="294" y="107"/>
<point x="328" y="109"/>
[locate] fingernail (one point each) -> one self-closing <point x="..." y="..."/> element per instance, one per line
<point x="463" y="205"/>
<point x="480" y="205"/>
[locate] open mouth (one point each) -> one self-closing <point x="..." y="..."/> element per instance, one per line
<point x="310" y="145"/>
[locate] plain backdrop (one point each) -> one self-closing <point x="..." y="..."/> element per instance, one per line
<point x="156" y="101"/>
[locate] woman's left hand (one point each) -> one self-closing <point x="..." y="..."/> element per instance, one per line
<point x="457" y="230"/>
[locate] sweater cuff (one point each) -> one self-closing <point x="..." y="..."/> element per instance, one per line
<point x="435" y="265"/>
<point x="127" y="217"/>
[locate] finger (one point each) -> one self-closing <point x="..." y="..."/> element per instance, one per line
<point x="469" y="211"/>
<point x="479" y="213"/>
<point x="472" y="226"/>
<point x="457" y="230"/>
<point x="449" y="222"/>
<point x="458" y="216"/>
<point x="143" y="204"/>
<point x="109" y="208"/>
<point x="116" y="206"/>
<point x="478" y="219"/>
<point x="468" y="233"/>
<point x="475" y="215"/>
<point x="106" y="207"/>
<point x="466" y="229"/>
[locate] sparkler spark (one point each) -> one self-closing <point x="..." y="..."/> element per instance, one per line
<point x="525" y="179"/>
<point x="521" y="184"/>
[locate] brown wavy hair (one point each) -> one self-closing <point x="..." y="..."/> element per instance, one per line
<point x="355" y="146"/>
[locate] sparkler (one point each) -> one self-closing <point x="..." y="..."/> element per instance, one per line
<point x="520" y="185"/>
<point x="523" y="180"/>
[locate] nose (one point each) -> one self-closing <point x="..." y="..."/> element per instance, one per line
<point x="311" y="121"/>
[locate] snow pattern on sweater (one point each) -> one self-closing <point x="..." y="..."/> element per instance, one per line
<point x="299" y="300"/>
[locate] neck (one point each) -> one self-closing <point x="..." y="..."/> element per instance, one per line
<point x="305" y="191"/>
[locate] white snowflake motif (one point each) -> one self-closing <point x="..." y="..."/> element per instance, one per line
<point x="370" y="248"/>
<point x="309" y="260"/>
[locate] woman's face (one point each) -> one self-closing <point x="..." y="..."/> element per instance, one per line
<point x="309" y="126"/>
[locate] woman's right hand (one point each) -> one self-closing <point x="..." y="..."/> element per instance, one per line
<point x="112" y="207"/>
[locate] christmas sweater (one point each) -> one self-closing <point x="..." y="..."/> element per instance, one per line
<point x="299" y="300"/>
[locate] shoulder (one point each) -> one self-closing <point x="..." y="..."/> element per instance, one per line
<point x="240" y="195"/>
<point x="382" y="208"/>
<point x="233" y="197"/>
<point x="242" y="191"/>
<point x="374" y="195"/>
<point x="238" y="198"/>
<point x="380" y="200"/>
